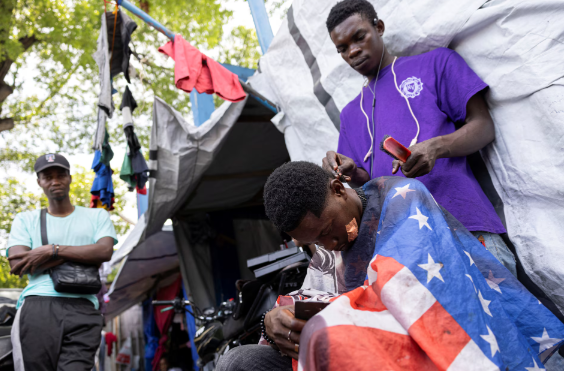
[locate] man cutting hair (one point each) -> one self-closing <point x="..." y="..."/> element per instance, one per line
<point x="420" y="101"/>
<point x="411" y="288"/>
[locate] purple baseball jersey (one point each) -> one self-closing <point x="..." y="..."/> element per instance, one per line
<point x="438" y="85"/>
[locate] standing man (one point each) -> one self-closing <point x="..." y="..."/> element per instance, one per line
<point x="56" y="330"/>
<point x="420" y="101"/>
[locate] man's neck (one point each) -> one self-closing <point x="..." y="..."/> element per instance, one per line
<point x="387" y="59"/>
<point x="357" y="203"/>
<point x="60" y="207"/>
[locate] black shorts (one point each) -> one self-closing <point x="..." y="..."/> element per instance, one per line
<point x="56" y="334"/>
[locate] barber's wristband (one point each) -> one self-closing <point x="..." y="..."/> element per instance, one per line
<point x="263" y="329"/>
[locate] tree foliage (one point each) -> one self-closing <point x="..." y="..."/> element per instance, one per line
<point x="49" y="86"/>
<point x="9" y="281"/>
<point x="58" y="114"/>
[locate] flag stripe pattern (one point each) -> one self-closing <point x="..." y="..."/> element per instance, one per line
<point x="434" y="299"/>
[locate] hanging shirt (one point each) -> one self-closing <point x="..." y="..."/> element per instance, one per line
<point x="195" y="70"/>
<point x="126" y="173"/>
<point x="121" y="52"/>
<point x="438" y="85"/>
<point x="103" y="186"/>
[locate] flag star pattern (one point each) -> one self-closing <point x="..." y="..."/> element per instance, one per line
<point x="470" y="257"/>
<point x="431" y="299"/>
<point x="470" y="277"/>
<point x="485" y="304"/>
<point x="545" y="341"/>
<point x="422" y="219"/>
<point x="490" y="338"/>
<point x="535" y="367"/>
<point x="493" y="282"/>
<point x="432" y="269"/>
<point x="402" y="191"/>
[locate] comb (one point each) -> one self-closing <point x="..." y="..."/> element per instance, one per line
<point x="394" y="148"/>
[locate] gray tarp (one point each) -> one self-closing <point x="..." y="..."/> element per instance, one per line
<point x="219" y="165"/>
<point x="517" y="47"/>
<point x="143" y="271"/>
<point x="183" y="153"/>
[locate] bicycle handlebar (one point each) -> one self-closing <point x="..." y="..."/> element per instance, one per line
<point x="170" y="302"/>
<point x="183" y="303"/>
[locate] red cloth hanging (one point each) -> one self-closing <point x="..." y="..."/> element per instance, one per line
<point x="110" y="340"/>
<point x="141" y="191"/>
<point x="96" y="203"/>
<point x="164" y="319"/>
<point x="193" y="69"/>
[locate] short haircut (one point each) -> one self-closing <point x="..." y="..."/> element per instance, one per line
<point x="294" y="189"/>
<point x="347" y="8"/>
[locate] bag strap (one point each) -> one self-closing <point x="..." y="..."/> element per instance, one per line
<point x="44" y="239"/>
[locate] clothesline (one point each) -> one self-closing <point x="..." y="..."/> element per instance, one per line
<point x="165" y="31"/>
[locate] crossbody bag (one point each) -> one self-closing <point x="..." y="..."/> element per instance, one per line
<point x="70" y="277"/>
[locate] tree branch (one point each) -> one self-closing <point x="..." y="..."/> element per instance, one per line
<point x="5" y="64"/>
<point x="5" y="89"/>
<point x="6" y="124"/>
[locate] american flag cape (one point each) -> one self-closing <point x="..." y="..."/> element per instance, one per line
<point x="433" y="297"/>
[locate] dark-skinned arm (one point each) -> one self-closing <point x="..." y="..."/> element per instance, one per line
<point x="345" y="169"/>
<point x="477" y="132"/>
<point x="41" y="257"/>
<point x="278" y="323"/>
<point x="20" y="250"/>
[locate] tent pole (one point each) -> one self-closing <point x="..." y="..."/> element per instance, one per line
<point x="262" y="19"/>
<point x="262" y="23"/>
<point x="146" y="18"/>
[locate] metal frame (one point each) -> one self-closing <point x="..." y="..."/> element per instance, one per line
<point x="146" y="18"/>
<point x="262" y="23"/>
<point x="265" y="37"/>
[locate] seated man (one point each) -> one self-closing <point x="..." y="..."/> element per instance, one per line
<point x="421" y="292"/>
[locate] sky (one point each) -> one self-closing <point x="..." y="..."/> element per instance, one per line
<point x="241" y="16"/>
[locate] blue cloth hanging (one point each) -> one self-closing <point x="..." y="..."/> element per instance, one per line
<point x="150" y="332"/>
<point x="191" y="329"/>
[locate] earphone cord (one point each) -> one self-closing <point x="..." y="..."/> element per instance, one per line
<point x="370" y="132"/>
<point x="414" y="140"/>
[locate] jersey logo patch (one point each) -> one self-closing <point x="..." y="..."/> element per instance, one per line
<point x="411" y="87"/>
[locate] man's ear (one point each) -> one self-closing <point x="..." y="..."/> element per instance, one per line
<point x="380" y="27"/>
<point x="338" y="188"/>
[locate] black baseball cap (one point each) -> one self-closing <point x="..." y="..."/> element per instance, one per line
<point x="49" y="160"/>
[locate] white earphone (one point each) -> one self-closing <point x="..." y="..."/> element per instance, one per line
<point x="370" y="152"/>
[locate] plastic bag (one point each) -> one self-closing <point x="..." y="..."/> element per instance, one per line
<point x="124" y="355"/>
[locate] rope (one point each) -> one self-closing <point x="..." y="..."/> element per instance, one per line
<point x="106" y="2"/>
<point x="115" y="13"/>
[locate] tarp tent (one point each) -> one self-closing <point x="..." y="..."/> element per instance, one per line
<point x="514" y="46"/>
<point x="145" y="266"/>
<point x="220" y="165"/>
<point x="517" y="47"/>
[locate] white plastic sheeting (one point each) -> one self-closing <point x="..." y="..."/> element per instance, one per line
<point x="517" y="47"/>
